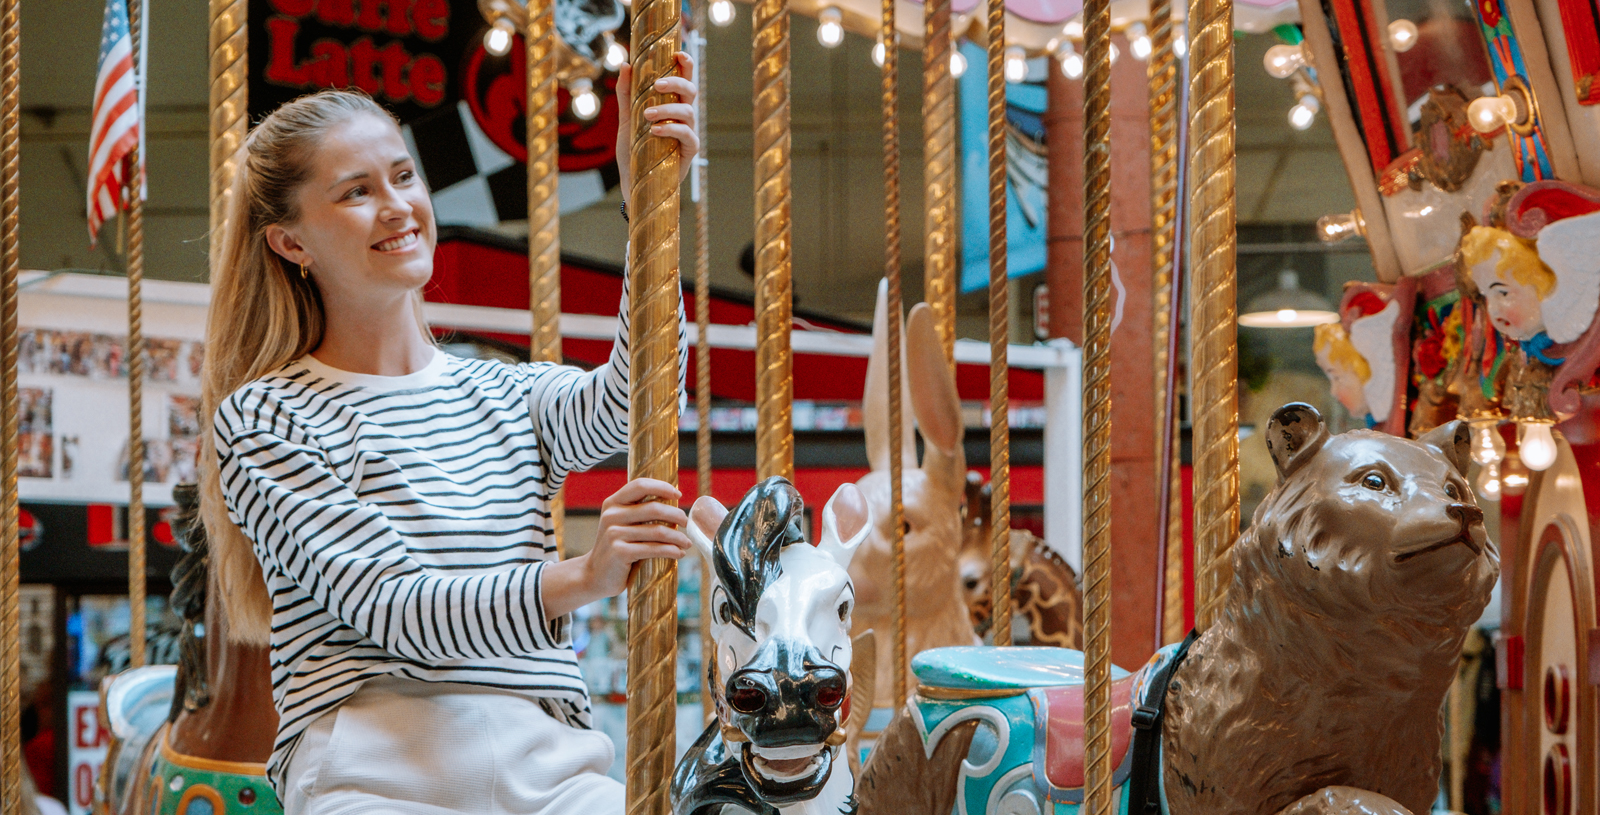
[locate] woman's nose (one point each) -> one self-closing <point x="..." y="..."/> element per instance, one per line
<point x="392" y="205"/>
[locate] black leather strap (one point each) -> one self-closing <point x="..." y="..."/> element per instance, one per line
<point x="1144" y="782"/>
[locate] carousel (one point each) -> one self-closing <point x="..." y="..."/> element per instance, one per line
<point x="872" y="669"/>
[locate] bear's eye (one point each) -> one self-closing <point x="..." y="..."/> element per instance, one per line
<point x="1372" y="481"/>
<point x="1450" y="490"/>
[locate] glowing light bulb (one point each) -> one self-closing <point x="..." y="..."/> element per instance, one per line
<point x="1115" y="52"/>
<point x="1489" y="482"/>
<point x="1287" y="315"/>
<point x="1335" y="228"/>
<point x="721" y="13"/>
<point x="616" y="54"/>
<point x="497" y="40"/>
<point x="585" y="102"/>
<point x="1073" y="30"/>
<point x="1180" y="41"/>
<point x="1301" y="117"/>
<point x="1402" y="35"/>
<point x="958" y="64"/>
<point x="1283" y="60"/>
<point x="1016" y="64"/>
<point x="879" y="53"/>
<point x="1139" y="42"/>
<point x="830" y="28"/>
<point x="1490" y="113"/>
<point x="1071" y="61"/>
<point x="1537" y="446"/>
<point x="1487" y="445"/>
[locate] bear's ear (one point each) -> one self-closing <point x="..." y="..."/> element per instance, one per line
<point x="1454" y="439"/>
<point x="1295" y="434"/>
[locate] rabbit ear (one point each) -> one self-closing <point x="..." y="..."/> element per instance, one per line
<point x="705" y="517"/>
<point x="846" y="522"/>
<point x="875" y="399"/>
<point x="933" y="395"/>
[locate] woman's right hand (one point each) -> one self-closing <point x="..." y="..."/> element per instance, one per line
<point x="635" y="525"/>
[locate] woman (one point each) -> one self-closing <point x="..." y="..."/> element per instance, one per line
<point x="393" y="501"/>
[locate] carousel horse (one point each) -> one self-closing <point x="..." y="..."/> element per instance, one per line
<point x="192" y="740"/>
<point x="1044" y="589"/>
<point x="935" y="612"/>
<point x="781" y="612"/>
<point x="1318" y="690"/>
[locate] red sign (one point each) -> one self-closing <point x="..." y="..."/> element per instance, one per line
<point x="86" y="748"/>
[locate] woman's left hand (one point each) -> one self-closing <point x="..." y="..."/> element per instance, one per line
<point x="671" y="120"/>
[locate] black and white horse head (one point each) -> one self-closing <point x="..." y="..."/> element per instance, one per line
<point x="781" y="623"/>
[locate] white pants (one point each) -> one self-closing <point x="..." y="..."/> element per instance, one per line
<point x="419" y="748"/>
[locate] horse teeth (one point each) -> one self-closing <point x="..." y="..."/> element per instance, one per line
<point x="787" y="753"/>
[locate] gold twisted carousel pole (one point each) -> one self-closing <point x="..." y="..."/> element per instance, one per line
<point x="1097" y="406"/>
<point x="229" y="109"/>
<point x="895" y="307"/>
<point x="544" y="206"/>
<point x="135" y="359"/>
<point x="774" y="256"/>
<point x="10" y="262"/>
<point x="1163" y="73"/>
<point x="1214" y="302"/>
<point x="999" y="332"/>
<point x="702" y="345"/>
<point x="939" y="173"/>
<point x="653" y="407"/>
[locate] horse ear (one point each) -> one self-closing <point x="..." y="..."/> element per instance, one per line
<point x="846" y="522"/>
<point x="1294" y="434"/>
<point x="705" y="517"/>
<point x="1454" y="439"/>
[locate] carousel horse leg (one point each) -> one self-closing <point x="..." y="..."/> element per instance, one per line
<point x="900" y="779"/>
<point x="1345" y="801"/>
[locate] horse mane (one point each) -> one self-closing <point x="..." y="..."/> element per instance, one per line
<point x="190" y="583"/>
<point x="749" y="541"/>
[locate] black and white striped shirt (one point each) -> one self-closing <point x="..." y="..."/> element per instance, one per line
<point x="402" y="523"/>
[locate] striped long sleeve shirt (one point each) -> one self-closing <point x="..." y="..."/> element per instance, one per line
<point x="402" y="523"/>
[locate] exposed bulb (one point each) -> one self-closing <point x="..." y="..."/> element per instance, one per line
<point x="1139" y="42"/>
<point x="1335" y="228"/>
<point x="1301" y="116"/>
<point x="1071" y="63"/>
<point x="497" y="40"/>
<point x="1016" y="64"/>
<point x="1180" y="41"/>
<point x="1487" y="445"/>
<point x="1282" y="60"/>
<point x="830" y="28"/>
<point x="879" y="53"/>
<point x="1073" y="30"/>
<point x="1490" y="113"/>
<point x="616" y="55"/>
<point x="721" y="13"/>
<point x="1537" y="447"/>
<point x="1115" y="52"/>
<point x="1403" y="35"/>
<point x="1489" y="481"/>
<point x="585" y="102"/>
<point x="958" y="64"/>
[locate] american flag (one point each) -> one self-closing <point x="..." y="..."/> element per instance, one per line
<point x="117" y="115"/>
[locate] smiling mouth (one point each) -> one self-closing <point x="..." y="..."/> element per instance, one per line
<point x="1463" y="537"/>
<point x="398" y="243"/>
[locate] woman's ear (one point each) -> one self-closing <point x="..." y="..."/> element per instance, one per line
<point x="287" y="245"/>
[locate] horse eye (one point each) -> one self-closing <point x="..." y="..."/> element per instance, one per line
<point x="844" y="610"/>
<point x="724" y="612"/>
<point x="1373" y="481"/>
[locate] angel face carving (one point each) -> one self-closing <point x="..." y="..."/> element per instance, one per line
<point x="1514" y="282"/>
<point x="1347" y="371"/>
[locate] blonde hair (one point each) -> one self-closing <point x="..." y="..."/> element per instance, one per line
<point x="1331" y="337"/>
<point x="264" y="314"/>
<point x="1517" y="256"/>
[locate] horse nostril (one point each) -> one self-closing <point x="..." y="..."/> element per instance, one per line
<point x="748" y="699"/>
<point x="831" y="694"/>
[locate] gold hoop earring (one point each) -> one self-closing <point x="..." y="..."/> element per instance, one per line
<point x="303" y="274"/>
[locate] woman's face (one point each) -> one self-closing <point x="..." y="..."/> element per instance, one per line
<point x="366" y="223"/>
<point x="1345" y="385"/>
<point x="1514" y="307"/>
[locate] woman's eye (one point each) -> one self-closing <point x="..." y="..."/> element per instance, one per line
<point x="354" y="191"/>
<point x="1373" y="481"/>
<point x="405" y="177"/>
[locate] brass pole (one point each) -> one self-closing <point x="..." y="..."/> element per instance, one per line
<point x="999" y="332"/>
<point x="702" y="347"/>
<point x="10" y="262"/>
<point x="1163" y="72"/>
<point x="1213" y="302"/>
<point x="1097" y="405"/>
<point x="895" y="307"/>
<point x="135" y="358"/>
<point x="544" y="207"/>
<point x="229" y="109"/>
<point x="653" y="408"/>
<point x="939" y="173"/>
<point x="774" y="255"/>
